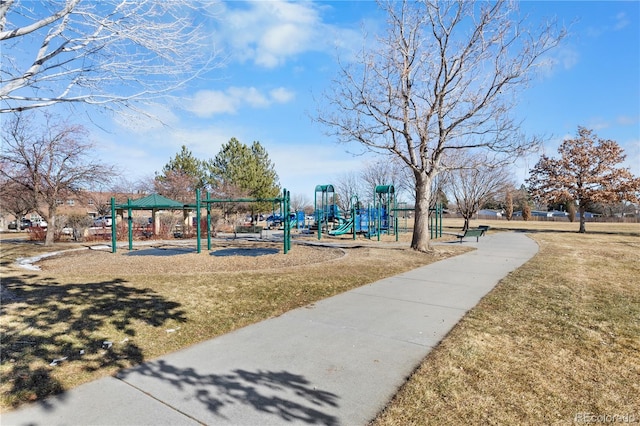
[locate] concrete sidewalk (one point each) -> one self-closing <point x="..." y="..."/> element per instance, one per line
<point x="337" y="362"/>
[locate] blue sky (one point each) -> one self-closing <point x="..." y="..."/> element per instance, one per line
<point x="281" y="56"/>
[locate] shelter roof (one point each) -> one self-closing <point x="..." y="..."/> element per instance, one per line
<point x="155" y="201"/>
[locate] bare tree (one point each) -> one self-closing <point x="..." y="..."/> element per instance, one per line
<point x="472" y="186"/>
<point x="385" y="171"/>
<point x="442" y="79"/>
<point x="301" y="202"/>
<point x="347" y="185"/>
<point x="526" y="212"/>
<point x="177" y="185"/>
<point x="142" y="186"/>
<point x="508" y="201"/>
<point x="100" y="200"/>
<point x="587" y="173"/>
<point x="110" y="52"/>
<point x="48" y="163"/>
<point x="14" y="199"/>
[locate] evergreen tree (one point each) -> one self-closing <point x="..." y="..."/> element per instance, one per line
<point x="245" y="171"/>
<point x="181" y="176"/>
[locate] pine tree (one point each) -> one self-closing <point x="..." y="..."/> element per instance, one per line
<point x="244" y="171"/>
<point x="181" y="176"/>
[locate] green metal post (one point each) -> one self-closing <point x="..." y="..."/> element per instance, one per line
<point x="198" y="242"/>
<point x="353" y="213"/>
<point x="440" y="215"/>
<point x="379" y="218"/>
<point x="208" y="222"/>
<point x="325" y="214"/>
<point x="287" y="221"/>
<point x="430" y="225"/>
<point x="437" y="218"/>
<point x="288" y="199"/>
<point x="129" y="223"/>
<point x="369" y="221"/>
<point x="395" y="225"/>
<point x="317" y="213"/>
<point x="289" y="233"/>
<point x="114" y="230"/>
<point x="395" y="214"/>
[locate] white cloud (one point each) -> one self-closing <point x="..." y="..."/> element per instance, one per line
<point x="204" y="142"/>
<point x="621" y="21"/>
<point x="597" y="123"/>
<point x="143" y="154"/>
<point x="282" y="95"/>
<point x="564" y="57"/>
<point x="615" y="23"/>
<point x="250" y="96"/>
<point x="268" y="33"/>
<point x="207" y="103"/>
<point x="626" y="120"/>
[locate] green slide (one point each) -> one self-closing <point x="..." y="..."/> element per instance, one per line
<point x="344" y="228"/>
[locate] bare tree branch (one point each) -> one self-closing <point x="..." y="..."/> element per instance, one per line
<point x="104" y="53"/>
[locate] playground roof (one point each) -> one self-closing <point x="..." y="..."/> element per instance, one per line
<point x="153" y="201"/>
<point x="324" y="188"/>
<point x="385" y="189"/>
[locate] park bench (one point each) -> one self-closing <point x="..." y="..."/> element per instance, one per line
<point x="484" y="228"/>
<point x="248" y="229"/>
<point x="475" y="232"/>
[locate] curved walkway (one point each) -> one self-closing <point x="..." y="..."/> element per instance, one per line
<point x="337" y="362"/>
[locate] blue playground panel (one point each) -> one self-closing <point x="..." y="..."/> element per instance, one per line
<point x="366" y="220"/>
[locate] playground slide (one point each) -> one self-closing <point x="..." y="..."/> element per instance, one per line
<point x="344" y="228"/>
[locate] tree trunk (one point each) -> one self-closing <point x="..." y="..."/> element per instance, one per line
<point x="466" y="224"/>
<point x="421" y="236"/>
<point x="582" y="227"/>
<point x="51" y="229"/>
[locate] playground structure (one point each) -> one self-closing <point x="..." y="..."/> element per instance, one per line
<point x="382" y="217"/>
<point x="373" y="220"/>
<point x="155" y="203"/>
<point x="379" y="218"/>
<point x="325" y="208"/>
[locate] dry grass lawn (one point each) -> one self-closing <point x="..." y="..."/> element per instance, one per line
<point x="88" y="313"/>
<point x="556" y="339"/>
<point x="556" y="342"/>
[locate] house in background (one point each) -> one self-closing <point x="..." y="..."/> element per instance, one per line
<point x="490" y="214"/>
<point x="92" y="204"/>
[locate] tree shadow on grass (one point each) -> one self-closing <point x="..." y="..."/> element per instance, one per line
<point x="48" y="325"/>
<point x="290" y="397"/>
